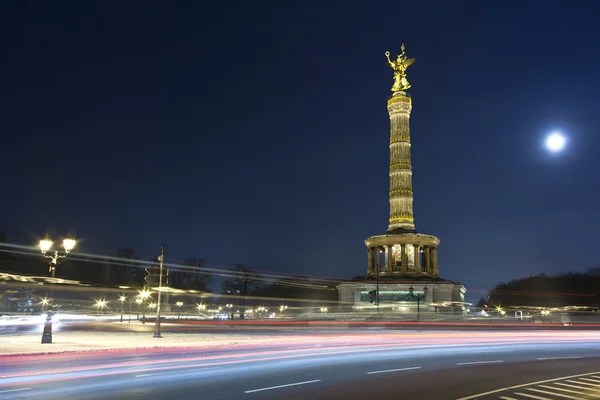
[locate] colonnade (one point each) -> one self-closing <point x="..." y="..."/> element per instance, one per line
<point x="395" y="259"/>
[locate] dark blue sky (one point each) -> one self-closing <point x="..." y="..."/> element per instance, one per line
<point x="257" y="132"/>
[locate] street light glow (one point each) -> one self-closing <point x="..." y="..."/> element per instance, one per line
<point x="45" y="245"/>
<point x="122" y="298"/>
<point x="69" y="244"/>
<point x="555" y="142"/>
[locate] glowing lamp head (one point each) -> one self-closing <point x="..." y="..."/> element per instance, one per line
<point x="45" y="245"/>
<point x="555" y="142"/>
<point x="122" y="298"/>
<point x="69" y="244"/>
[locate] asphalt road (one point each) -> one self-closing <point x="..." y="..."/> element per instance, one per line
<point x="387" y="369"/>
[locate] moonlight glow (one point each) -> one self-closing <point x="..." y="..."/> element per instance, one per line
<point x="555" y="142"/>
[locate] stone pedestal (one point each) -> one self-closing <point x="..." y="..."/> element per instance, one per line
<point x="442" y="295"/>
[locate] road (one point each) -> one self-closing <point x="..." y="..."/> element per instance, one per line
<point x="376" y="365"/>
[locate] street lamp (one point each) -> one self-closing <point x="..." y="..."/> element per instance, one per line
<point x="46" y="244"/>
<point x="100" y="304"/>
<point x="144" y="295"/>
<point x="139" y="303"/>
<point x="282" y="308"/>
<point x="44" y="302"/>
<point x="419" y="297"/>
<point x="130" y="303"/>
<point x="179" y="304"/>
<point x="230" y="306"/>
<point x="324" y="309"/>
<point x="122" y="300"/>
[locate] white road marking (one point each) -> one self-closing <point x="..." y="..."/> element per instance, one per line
<point x="566" y="390"/>
<point x="574" y="386"/>
<point x="582" y="383"/>
<point x="175" y="372"/>
<point x="566" y="396"/>
<point x="506" y="398"/>
<point x="392" y="370"/>
<point x="282" y="386"/>
<point x="558" y="358"/>
<point x="14" y="390"/>
<point x="480" y="362"/>
<point x="473" y="397"/>
<point x="532" y="396"/>
<point x="591" y="380"/>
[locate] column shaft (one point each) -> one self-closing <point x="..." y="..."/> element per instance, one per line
<point x="417" y="258"/>
<point x="390" y="259"/>
<point x="428" y="260"/>
<point x="370" y="269"/>
<point x="380" y="260"/>
<point x="403" y="258"/>
<point x="434" y="257"/>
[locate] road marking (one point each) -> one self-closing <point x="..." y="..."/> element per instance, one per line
<point x="591" y="380"/>
<point x="175" y="372"/>
<point x="282" y="386"/>
<point x="574" y="386"/>
<point x="14" y="390"/>
<point x="582" y="383"/>
<point x="506" y="398"/>
<point x="392" y="370"/>
<point x="532" y="396"/>
<point x="565" y="390"/>
<point x="566" y="396"/>
<point x="480" y="362"/>
<point x="558" y="358"/>
<point x="473" y="397"/>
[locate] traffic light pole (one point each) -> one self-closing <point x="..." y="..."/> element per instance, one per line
<point x="157" y="322"/>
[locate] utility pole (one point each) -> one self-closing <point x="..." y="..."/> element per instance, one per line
<point x="160" y="276"/>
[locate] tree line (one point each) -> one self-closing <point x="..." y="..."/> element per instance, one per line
<point x="565" y="289"/>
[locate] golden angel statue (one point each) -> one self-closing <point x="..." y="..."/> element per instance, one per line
<point x="399" y="66"/>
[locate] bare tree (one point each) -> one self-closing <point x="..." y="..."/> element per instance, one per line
<point x="191" y="275"/>
<point x="242" y="281"/>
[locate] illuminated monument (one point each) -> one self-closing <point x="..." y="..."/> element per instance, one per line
<point x="402" y="258"/>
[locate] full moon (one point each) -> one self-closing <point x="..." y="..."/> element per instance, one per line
<point x="555" y="142"/>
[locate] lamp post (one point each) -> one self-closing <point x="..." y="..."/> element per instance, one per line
<point x="179" y="304"/>
<point x="130" y="303"/>
<point x="230" y="312"/>
<point x="54" y="259"/>
<point x="139" y="303"/>
<point x="161" y="258"/>
<point x="122" y="300"/>
<point x="419" y="297"/>
<point x="201" y="307"/>
<point x="144" y="295"/>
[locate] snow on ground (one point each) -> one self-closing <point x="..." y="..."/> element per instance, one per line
<point x="90" y="341"/>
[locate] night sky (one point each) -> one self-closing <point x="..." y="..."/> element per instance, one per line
<point x="257" y="132"/>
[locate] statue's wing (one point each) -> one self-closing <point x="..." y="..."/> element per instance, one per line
<point x="409" y="62"/>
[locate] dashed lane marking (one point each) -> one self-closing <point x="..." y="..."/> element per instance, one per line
<point x="282" y="386"/>
<point x="392" y="370"/>
<point x="480" y="362"/>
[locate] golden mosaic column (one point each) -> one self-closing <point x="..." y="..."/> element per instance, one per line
<point x="401" y="195"/>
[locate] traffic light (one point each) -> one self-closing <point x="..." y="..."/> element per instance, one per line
<point x="153" y="277"/>
<point x="373" y="295"/>
<point x="485" y="306"/>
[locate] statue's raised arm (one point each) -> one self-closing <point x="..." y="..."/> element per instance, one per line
<point x="390" y="62"/>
